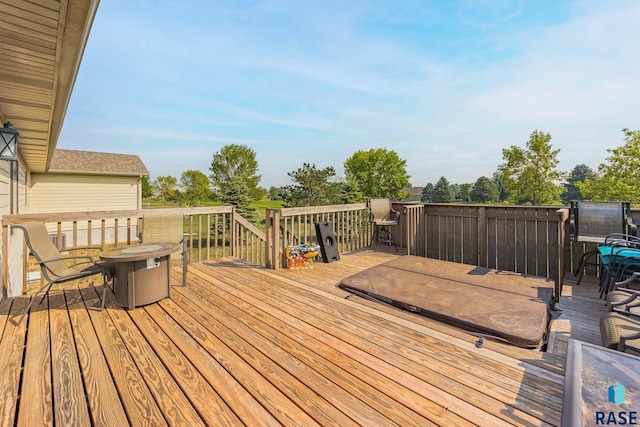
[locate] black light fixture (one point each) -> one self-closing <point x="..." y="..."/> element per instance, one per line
<point x="8" y="142"/>
<point x="9" y="152"/>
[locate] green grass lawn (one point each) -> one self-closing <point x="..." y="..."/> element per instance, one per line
<point x="261" y="205"/>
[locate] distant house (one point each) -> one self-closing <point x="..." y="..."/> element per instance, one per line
<point x="416" y="193"/>
<point x="79" y="181"/>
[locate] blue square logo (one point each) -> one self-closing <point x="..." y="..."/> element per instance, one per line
<point x="616" y="394"/>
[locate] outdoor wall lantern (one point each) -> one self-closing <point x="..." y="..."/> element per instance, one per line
<point x="9" y="152"/>
<point x="8" y="142"/>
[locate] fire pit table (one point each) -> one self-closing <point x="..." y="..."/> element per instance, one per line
<point x="142" y="272"/>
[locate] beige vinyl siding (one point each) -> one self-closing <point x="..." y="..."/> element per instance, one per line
<point x="4" y="188"/>
<point x="19" y="199"/>
<point x="79" y="193"/>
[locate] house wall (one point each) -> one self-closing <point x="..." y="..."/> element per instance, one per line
<point x="52" y="192"/>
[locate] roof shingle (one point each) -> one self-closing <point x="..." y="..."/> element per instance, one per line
<point x="94" y="163"/>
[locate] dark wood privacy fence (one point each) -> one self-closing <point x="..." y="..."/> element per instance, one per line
<point x="528" y="240"/>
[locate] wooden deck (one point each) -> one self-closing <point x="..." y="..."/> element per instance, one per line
<point x="243" y="345"/>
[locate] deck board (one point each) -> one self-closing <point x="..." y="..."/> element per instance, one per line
<point x="11" y="348"/>
<point x="69" y="408"/>
<point x="104" y="403"/>
<point x="135" y="396"/>
<point x="436" y="355"/>
<point x="243" y="345"/>
<point x="36" y="406"/>
<point x="464" y="384"/>
<point x="323" y="356"/>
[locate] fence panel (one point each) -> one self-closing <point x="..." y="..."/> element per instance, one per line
<point x="528" y="240"/>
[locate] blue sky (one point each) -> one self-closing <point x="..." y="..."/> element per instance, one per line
<point x="446" y="84"/>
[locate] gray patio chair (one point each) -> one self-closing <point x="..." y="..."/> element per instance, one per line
<point x="167" y="228"/>
<point x="382" y="215"/>
<point x="59" y="268"/>
<point x="595" y="223"/>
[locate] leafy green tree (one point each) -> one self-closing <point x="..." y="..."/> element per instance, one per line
<point x="233" y="161"/>
<point x="532" y="170"/>
<point x="442" y="192"/>
<point x="263" y="193"/>
<point x="378" y="173"/>
<point x="484" y="191"/>
<point x="196" y="186"/>
<point x="236" y="193"/>
<point x="165" y="187"/>
<point x="427" y="193"/>
<point x="462" y="192"/>
<point x="313" y="187"/>
<point x="502" y="183"/>
<point x="273" y="193"/>
<point x="580" y="173"/>
<point x="147" y="189"/>
<point x="619" y="178"/>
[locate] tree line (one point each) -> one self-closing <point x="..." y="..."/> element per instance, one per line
<point x="528" y="175"/>
<point x="234" y="180"/>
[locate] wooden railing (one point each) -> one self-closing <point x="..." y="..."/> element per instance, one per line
<point x="294" y="226"/>
<point x="529" y="240"/>
<point x="211" y="233"/>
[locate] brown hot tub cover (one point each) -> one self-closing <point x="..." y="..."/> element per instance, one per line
<point x="509" y="306"/>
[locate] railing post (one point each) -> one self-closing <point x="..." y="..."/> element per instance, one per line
<point x="482" y="236"/>
<point x="272" y="241"/>
<point x="563" y="215"/>
<point x="234" y="230"/>
<point x="268" y="239"/>
<point x="275" y="234"/>
<point x="405" y="221"/>
<point x="5" y="262"/>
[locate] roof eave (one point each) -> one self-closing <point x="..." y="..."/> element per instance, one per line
<point x="77" y="26"/>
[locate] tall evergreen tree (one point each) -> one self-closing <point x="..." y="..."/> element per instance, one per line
<point x="580" y="173"/>
<point x="313" y="187"/>
<point x="427" y="193"/>
<point x="236" y="193"/>
<point x="484" y="191"/>
<point x="350" y="192"/>
<point x="442" y="192"/>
